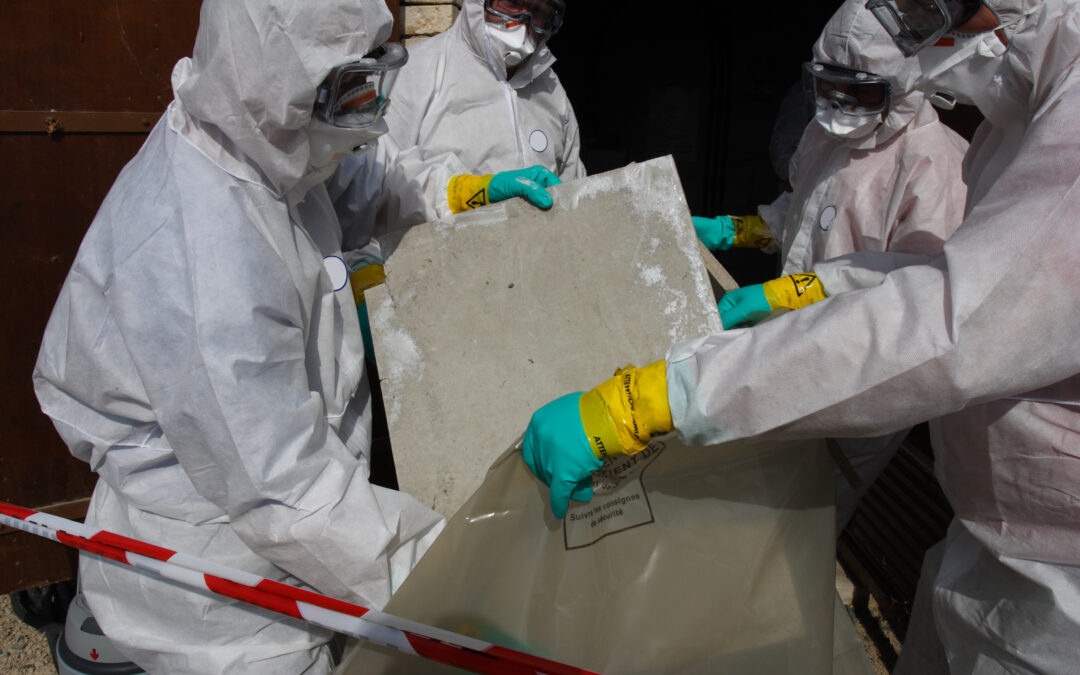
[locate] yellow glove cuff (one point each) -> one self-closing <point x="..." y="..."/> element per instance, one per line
<point x="620" y="416"/>
<point x="467" y="191"/>
<point x="364" y="278"/>
<point x="794" y="291"/>
<point x="751" y="232"/>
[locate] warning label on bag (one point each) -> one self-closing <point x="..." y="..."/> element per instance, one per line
<point x="619" y="501"/>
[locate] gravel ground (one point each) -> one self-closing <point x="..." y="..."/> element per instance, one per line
<point x="869" y="626"/>
<point x="23" y="650"/>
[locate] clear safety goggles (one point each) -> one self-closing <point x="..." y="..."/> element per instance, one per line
<point x="914" y="24"/>
<point x="854" y="92"/>
<point x="543" y="16"/>
<point x="355" y="95"/>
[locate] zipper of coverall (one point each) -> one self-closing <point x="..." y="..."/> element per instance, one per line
<point x="805" y="235"/>
<point x="508" y="94"/>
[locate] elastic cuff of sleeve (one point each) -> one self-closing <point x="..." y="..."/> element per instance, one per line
<point x="364" y="278"/>
<point x="467" y="191"/>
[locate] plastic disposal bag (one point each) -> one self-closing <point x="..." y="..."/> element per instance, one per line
<point x="688" y="560"/>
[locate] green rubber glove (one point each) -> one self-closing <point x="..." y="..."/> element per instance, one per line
<point x="557" y="452"/>
<point x="365" y="332"/>
<point x="570" y="437"/>
<point x="743" y="306"/>
<point x="724" y="232"/>
<point x="467" y="191"/>
<point x="528" y="183"/>
<point x="365" y="275"/>
<point x="750" y="304"/>
<point x="718" y="234"/>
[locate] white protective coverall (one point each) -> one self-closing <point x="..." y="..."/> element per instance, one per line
<point x="898" y="189"/>
<point x="982" y="336"/>
<point x="204" y="355"/>
<point x="454" y="111"/>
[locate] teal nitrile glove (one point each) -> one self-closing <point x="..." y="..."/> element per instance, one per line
<point x="743" y="306"/>
<point x="752" y="304"/>
<point x="528" y="183"/>
<point x="557" y="452"/>
<point x="365" y="333"/>
<point x="718" y="234"/>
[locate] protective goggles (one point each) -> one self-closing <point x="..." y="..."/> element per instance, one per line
<point x="355" y="95"/>
<point x="914" y="24"/>
<point x="854" y="92"/>
<point x="543" y="16"/>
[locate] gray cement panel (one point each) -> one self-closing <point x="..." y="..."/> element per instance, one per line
<point x="487" y="315"/>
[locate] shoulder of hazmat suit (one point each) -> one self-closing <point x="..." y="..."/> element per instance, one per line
<point x="982" y="336"/>
<point x="204" y="355"/>
<point x="453" y="111"/>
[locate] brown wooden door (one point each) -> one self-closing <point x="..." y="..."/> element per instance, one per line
<point x="81" y="84"/>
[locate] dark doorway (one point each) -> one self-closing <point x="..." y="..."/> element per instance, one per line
<point x="702" y="83"/>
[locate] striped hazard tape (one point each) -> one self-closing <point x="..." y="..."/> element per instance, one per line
<point x="404" y="635"/>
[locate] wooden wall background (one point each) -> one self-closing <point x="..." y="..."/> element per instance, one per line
<point x="81" y="84"/>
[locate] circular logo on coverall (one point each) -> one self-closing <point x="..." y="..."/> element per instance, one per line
<point x="538" y="141"/>
<point x="828" y="214"/>
<point x="337" y="270"/>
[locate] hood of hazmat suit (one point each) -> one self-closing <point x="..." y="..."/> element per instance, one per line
<point x="454" y="111"/>
<point x="983" y="338"/>
<point x="854" y="39"/>
<point x="204" y="355"/>
<point x="967" y="67"/>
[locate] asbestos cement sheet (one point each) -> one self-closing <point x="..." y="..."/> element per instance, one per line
<point x="487" y="315"/>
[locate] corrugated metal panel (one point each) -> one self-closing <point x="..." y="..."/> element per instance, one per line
<point x="902" y="515"/>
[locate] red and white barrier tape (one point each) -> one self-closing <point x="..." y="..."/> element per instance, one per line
<point x="404" y="635"/>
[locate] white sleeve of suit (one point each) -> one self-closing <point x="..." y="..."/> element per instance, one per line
<point x="993" y="316"/>
<point x="862" y="269"/>
<point x="775" y="215"/>
<point x="416" y="183"/>
<point x="572" y="166"/>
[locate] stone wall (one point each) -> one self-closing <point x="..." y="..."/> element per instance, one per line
<point x="420" y="19"/>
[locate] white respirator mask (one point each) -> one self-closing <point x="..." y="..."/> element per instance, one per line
<point x="844" y="126"/>
<point x="516" y="43"/>
<point x="965" y="72"/>
<point x="330" y="144"/>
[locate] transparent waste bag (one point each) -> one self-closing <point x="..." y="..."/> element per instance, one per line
<point x="688" y="560"/>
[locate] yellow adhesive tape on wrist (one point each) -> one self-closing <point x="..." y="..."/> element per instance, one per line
<point x="794" y="291"/>
<point x="599" y="427"/>
<point x="467" y="191"/>
<point x="621" y="415"/>
<point x="364" y="278"/>
<point x="751" y="232"/>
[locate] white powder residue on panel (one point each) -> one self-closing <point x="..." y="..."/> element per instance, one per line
<point x="400" y="358"/>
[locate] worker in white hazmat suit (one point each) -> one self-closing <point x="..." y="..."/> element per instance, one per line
<point x="204" y="355"/>
<point x="877" y="172"/>
<point x="982" y="336"/>
<point x="479" y="99"/>
<point x="472" y="105"/>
